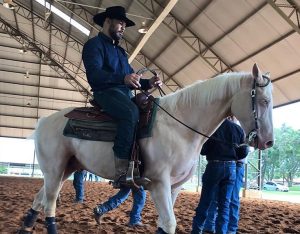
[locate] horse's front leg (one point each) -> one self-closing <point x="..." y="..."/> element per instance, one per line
<point x="174" y="194"/>
<point x="161" y="195"/>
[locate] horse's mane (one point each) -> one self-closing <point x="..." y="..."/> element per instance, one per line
<point x="205" y="91"/>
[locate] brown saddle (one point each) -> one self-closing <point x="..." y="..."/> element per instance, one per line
<point x="96" y="114"/>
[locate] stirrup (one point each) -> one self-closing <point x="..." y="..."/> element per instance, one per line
<point x="133" y="176"/>
<point x="131" y="179"/>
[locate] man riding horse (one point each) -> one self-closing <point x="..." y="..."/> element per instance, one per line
<point x="112" y="80"/>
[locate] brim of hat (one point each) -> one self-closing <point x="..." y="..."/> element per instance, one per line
<point x="100" y="18"/>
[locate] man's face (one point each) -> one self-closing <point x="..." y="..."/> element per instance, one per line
<point x="116" y="29"/>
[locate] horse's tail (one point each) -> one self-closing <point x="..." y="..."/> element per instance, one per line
<point x="33" y="135"/>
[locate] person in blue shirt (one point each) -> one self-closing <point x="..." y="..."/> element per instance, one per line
<point x="139" y="199"/>
<point x="220" y="174"/>
<point x="112" y="80"/>
<point x="78" y="183"/>
<point x="234" y="207"/>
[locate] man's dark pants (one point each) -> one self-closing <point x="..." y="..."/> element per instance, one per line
<point x="118" y="104"/>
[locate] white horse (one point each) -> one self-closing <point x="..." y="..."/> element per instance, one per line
<point x="170" y="154"/>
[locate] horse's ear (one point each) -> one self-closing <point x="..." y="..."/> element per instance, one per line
<point x="267" y="74"/>
<point x="255" y="70"/>
<point x="257" y="74"/>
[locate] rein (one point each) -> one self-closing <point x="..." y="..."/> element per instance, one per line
<point x="252" y="134"/>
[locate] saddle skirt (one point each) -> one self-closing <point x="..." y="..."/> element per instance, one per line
<point x="92" y="123"/>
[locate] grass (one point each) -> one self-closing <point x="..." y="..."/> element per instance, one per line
<point x="295" y="188"/>
<point x="284" y="194"/>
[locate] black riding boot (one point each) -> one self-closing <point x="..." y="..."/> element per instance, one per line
<point x="122" y="178"/>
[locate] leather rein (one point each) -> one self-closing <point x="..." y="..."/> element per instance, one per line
<point x="252" y="134"/>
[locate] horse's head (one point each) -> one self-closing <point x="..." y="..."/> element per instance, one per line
<point x="252" y="106"/>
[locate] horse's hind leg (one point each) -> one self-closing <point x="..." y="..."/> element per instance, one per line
<point x="52" y="185"/>
<point x="32" y="214"/>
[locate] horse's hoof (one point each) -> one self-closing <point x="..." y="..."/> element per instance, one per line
<point x="160" y="231"/>
<point x="97" y="216"/>
<point x="24" y="231"/>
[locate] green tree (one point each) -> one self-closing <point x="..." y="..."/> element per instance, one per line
<point x="283" y="159"/>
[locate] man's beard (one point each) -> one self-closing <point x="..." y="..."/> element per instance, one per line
<point x="116" y="36"/>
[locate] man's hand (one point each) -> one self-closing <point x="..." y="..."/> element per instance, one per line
<point x="133" y="80"/>
<point x="155" y="81"/>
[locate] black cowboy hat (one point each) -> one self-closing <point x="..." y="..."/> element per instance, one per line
<point x="115" y="12"/>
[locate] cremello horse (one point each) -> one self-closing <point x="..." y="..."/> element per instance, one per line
<point x="170" y="154"/>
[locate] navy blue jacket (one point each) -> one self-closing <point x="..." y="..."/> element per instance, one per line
<point x="106" y="64"/>
<point x="228" y="132"/>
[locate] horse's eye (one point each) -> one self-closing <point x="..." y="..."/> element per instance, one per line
<point x="265" y="102"/>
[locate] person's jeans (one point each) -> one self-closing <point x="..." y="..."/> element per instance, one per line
<point x="78" y="183"/>
<point x="217" y="176"/>
<point x="210" y="222"/>
<point x="139" y="198"/>
<point x="235" y="199"/>
<point x="234" y="205"/>
<point x="120" y="106"/>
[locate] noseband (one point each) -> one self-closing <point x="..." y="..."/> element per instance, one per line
<point x="253" y="134"/>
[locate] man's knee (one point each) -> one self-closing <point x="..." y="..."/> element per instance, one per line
<point x="132" y="115"/>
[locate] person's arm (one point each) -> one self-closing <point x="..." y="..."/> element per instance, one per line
<point x="242" y="151"/>
<point x="205" y="147"/>
<point x="93" y="59"/>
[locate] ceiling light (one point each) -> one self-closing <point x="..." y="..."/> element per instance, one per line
<point x="47" y="14"/>
<point x="143" y="29"/>
<point x="26" y="75"/>
<point x="8" y="4"/>
<point x="28" y="104"/>
<point x="23" y="51"/>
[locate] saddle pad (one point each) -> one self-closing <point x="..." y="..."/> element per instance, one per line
<point x="95" y="129"/>
<point x="91" y="130"/>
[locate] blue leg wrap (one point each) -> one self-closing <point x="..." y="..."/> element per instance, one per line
<point x="160" y="231"/>
<point x="30" y="218"/>
<point x="51" y="225"/>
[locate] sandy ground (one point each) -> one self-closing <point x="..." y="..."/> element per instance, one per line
<point x="16" y="196"/>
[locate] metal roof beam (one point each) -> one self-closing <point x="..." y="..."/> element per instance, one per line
<point x="181" y="30"/>
<point x="40" y="49"/>
<point x="37" y="86"/>
<point x="23" y="61"/>
<point x="288" y="11"/>
<point x="286" y="75"/>
<point x="166" y="10"/>
<point x="193" y="41"/>
<point x="35" y="96"/>
<point x="14" y="127"/>
<point x="288" y="103"/>
<point x="200" y="47"/>
<point x="263" y="48"/>
<point x="30" y="107"/>
<point x="32" y="73"/>
<point x="86" y="16"/>
<point x="243" y="20"/>
<point x="18" y="116"/>
<point x="59" y="33"/>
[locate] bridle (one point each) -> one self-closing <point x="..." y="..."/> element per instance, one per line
<point x="252" y="135"/>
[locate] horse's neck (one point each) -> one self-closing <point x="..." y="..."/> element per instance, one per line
<point x="205" y="104"/>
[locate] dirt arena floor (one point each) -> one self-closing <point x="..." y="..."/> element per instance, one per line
<point x="16" y="196"/>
